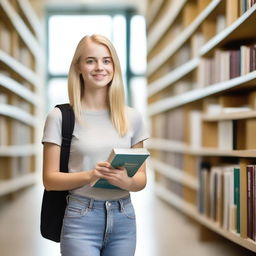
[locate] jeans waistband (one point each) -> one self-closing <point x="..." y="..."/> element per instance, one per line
<point x="93" y="203"/>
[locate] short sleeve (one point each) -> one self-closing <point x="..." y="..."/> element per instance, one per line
<point x="140" y="132"/>
<point x="52" y="127"/>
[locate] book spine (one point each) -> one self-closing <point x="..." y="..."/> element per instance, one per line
<point x="250" y="170"/>
<point x="237" y="197"/>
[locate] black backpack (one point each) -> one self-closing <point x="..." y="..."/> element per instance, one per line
<point x="54" y="202"/>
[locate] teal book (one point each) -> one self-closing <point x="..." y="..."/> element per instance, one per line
<point x="237" y="196"/>
<point x="129" y="158"/>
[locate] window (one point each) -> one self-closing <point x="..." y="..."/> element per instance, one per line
<point x="65" y="28"/>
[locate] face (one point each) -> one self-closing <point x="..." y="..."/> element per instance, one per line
<point x="96" y="65"/>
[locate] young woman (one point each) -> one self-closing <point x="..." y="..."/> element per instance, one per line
<point x="97" y="222"/>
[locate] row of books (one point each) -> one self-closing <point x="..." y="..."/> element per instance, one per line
<point x="15" y="167"/>
<point x="225" y="134"/>
<point x="21" y="53"/>
<point x="170" y="125"/>
<point x="219" y="196"/>
<point x="245" y="5"/>
<point x="227" y="64"/>
<point x="229" y="134"/>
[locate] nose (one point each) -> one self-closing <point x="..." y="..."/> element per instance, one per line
<point x="99" y="65"/>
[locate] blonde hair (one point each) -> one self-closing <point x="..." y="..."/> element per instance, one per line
<point x="116" y="98"/>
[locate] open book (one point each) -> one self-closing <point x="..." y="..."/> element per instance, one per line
<point x="129" y="158"/>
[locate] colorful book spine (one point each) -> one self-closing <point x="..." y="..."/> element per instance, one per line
<point x="237" y="196"/>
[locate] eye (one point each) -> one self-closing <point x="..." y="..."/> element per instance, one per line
<point x="107" y="61"/>
<point x="90" y="61"/>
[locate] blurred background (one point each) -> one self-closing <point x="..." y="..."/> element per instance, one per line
<point x="37" y="42"/>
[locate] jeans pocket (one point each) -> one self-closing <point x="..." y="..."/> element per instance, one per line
<point x="128" y="211"/>
<point x="75" y="211"/>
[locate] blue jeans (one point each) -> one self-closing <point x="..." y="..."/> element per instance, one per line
<point x="98" y="228"/>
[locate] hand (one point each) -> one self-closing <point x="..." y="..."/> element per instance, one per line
<point x="100" y="169"/>
<point x="118" y="177"/>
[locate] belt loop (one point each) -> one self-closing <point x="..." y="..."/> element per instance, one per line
<point x="67" y="198"/>
<point x="91" y="203"/>
<point x="121" y="205"/>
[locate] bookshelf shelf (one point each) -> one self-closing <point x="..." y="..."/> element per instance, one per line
<point x="18" y="114"/>
<point x="230" y="116"/>
<point x="191" y="211"/>
<point x="174" y="174"/>
<point x="9" y="63"/>
<point x="172" y="77"/>
<point x="240" y="29"/>
<point x="170" y="49"/>
<point x="153" y="10"/>
<point x="18" y="150"/>
<point x="179" y="147"/>
<point x="31" y="18"/>
<point x="21" y="103"/>
<point x="18" y="89"/>
<point x="7" y="187"/>
<point x="162" y="26"/>
<point x="21" y="28"/>
<point x="188" y="97"/>
<point x="202" y="108"/>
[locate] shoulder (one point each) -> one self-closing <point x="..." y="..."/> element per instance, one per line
<point x="133" y="115"/>
<point x="54" y="115"/>
<point x="132" y="112"/>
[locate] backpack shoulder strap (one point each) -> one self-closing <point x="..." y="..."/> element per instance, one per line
<point x="68" y="123"/>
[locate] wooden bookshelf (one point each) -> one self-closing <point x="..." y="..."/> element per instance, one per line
<point x="21" y="97"/>
<point x="202" y="107"/>
<point x="191" y="211"/>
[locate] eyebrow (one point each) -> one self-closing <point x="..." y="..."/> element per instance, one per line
<point x="107" y="57"/>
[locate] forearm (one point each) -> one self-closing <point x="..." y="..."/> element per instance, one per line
<point x="138" y="182"/>
<point x="56" y="180"/>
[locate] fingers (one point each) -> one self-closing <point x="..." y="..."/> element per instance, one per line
<point x="104" y="164"/>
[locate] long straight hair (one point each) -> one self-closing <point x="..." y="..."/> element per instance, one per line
<point x="116" y="98"/>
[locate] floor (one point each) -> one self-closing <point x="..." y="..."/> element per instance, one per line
<point x="162" y="231"/>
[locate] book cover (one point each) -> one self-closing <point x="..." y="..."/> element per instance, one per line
<point x="129" y="158"/>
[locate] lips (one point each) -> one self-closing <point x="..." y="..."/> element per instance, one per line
<point x="99" y="76"/>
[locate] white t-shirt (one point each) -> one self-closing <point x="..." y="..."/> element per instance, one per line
<point x="92" y="142"/>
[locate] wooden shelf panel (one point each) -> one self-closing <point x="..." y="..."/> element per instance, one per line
<point x="10" y="186"/>
<point x="174" y="174"/>
<point x="228" y="34"/>
<point x="230" y="116"/>
<point x="162" y="26"/>
<point x="21" y="28"/>
<point x="167" y="145"/>
<point x="31" y="17"/>
<point x="19" y="150"/>
<point x="15" y="66"/>
<point x="173" y="76"/>
<point x="191" y="96"/>
<point x="18" y="89"/>
<point x="153" y="10"/>
<point x="18" y="114"/>
<point x="179" y="147"/>
<point x="240" y="29"/>
<point x="192" y="212"/>
<point x="166" y="53"/>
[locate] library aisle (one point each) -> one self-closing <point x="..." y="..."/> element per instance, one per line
<point x="162" y="230"/>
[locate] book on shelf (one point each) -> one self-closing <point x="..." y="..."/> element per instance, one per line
<point x="250" y="170"/>
<point x="129" y="158"/>
<point x="237" y="196"/>
<point x="219" y="195"/>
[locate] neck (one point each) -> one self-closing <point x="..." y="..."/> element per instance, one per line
<point x="96" y="100"/>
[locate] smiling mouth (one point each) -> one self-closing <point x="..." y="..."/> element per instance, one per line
<point x="99" y="76"/>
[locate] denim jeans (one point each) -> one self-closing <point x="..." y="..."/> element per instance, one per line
<point x="98" y="228"/>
